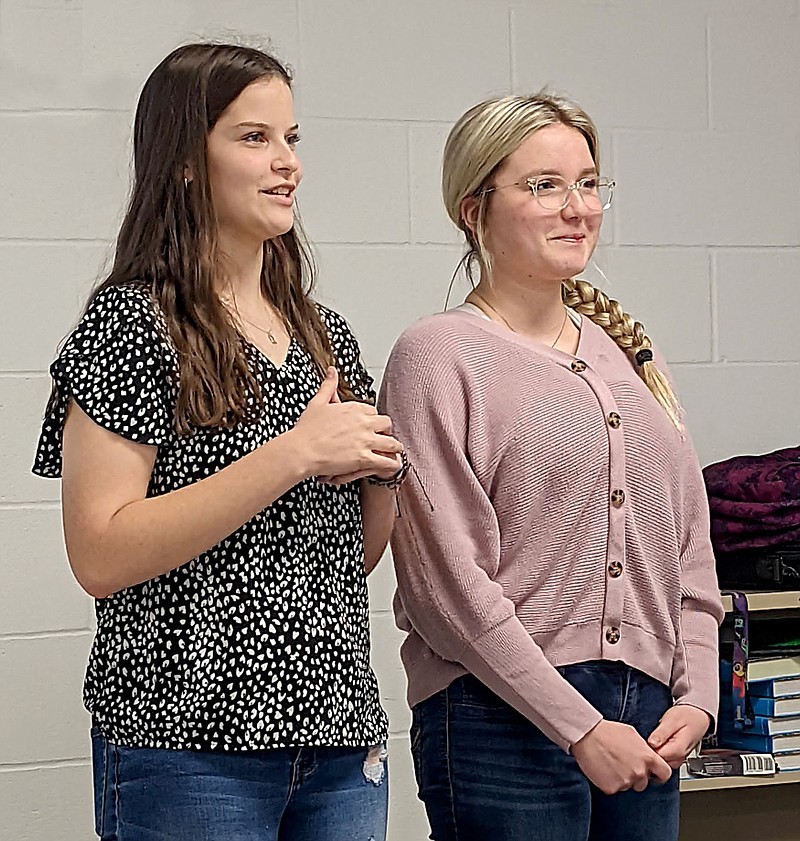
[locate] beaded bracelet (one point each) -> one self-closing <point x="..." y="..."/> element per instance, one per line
<point x="397" y="479"/>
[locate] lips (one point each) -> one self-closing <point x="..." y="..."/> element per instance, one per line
<point x="281" y="190"/>
<point x="574" y="239"/>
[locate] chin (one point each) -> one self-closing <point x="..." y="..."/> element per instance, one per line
<point x="571" y="269"/>
<point x="277" y="230"/>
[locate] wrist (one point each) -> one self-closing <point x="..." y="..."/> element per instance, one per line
<point x="294" y="454"/>
<point x="396" y="479"/>
<point x="587" y="737"/>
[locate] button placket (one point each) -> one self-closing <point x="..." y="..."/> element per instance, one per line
<point x="615" y="549"/>
<point x="612" y="617"/>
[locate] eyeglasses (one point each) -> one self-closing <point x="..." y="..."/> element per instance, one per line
<point x="553" y="193"/>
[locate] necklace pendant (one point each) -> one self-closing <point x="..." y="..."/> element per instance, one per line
<point x="272" y="338"/>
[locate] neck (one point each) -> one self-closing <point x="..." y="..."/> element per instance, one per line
<point x="240" y="272"/>
<point x="535" y="311"/>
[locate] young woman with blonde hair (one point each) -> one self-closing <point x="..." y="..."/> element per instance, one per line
<point x="555" y="575"/>
<point x="209" y="422"/>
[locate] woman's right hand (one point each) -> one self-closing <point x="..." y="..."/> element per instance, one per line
<point x="615" y="758"/>
<point x="338" y="439"/>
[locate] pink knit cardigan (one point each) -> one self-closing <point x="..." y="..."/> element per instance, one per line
<point x="554" y="515"/>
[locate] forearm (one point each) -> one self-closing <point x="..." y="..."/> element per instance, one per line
<point x="695" y="673"/>
<point x="149" y="537"/>
<point x="378" y="511"/>
<point x="695" y="668"/>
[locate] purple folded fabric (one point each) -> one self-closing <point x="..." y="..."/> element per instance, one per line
<point x="754" y="500"/>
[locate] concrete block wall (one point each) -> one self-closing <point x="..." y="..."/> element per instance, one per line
<point x="700" y="118"/>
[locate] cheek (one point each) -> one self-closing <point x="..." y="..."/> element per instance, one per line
<point x="594" y="230"/>
<point x="516" y="224"/>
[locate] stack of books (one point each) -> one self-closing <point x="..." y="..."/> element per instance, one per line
<point x="774" y="691"/>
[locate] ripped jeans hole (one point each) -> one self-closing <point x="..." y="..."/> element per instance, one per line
<point x="374" y="767"/>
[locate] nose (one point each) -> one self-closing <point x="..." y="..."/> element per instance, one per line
<point x="575" y="206"/>
<point x="286" y="161"/>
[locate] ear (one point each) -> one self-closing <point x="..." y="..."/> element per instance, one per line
<point x="188" y="174"/>
<point x="470" y="206"/>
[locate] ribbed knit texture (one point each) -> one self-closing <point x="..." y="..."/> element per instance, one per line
<point x="508" y="528"/>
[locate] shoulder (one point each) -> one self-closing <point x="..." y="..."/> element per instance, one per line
<point x="332" y="319"/>
<point x="339" y="331"/>
<point x="122" y="323"/>
<point x="443" y="332"/>
<point x="343" y="341"/>
<point x="449" y="336"/>
<point x="119" y="310"/>
<point x="439" y="356"/>
<point x="130" y="297"/>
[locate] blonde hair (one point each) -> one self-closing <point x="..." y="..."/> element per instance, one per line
<point x="477" y="145"/>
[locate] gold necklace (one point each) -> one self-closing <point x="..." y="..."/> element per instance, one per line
<point x="270" y="335"/>
<point x="503" y="319"/>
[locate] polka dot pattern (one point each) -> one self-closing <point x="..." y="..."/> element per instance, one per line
<point x="263" y="640"/>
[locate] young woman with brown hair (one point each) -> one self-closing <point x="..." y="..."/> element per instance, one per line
<point x="210" y="424"/>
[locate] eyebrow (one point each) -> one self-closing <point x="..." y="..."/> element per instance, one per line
<point x="264" y="126"/>
<point x="536" y="173"/>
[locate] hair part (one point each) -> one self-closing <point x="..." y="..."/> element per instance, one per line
<point x="168" y="238"/>
<point x="476" y="147"/>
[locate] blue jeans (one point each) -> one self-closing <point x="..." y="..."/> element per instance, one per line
<point x="291" y="794"/>
<point x="486" y="772"/>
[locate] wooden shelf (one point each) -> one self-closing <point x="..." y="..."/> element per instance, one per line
<point x="757" y="601"/>
<point x="768" y="600"/>
<point x="710" y="783"/>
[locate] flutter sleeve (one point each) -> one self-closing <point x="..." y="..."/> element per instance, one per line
<point x="116" y="368"/>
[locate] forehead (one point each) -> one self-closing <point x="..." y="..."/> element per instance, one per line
<point x="265" y="100"/>
<point x="553" y="149"/>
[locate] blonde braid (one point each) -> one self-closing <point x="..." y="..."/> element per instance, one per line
<point x="607" y="313"/>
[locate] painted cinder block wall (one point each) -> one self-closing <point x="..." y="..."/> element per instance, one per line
<point x="698" y="105"/>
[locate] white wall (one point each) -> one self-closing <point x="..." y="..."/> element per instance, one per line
<point x="699" y="109"/>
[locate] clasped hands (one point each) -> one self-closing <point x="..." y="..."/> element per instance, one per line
<point x="616" y="758"/>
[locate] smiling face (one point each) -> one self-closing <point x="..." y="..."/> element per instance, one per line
<point x="522" y="237"/>
<point x="252" y="166"/>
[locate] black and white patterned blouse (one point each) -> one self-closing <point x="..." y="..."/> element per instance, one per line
<point x="263" y="640"/>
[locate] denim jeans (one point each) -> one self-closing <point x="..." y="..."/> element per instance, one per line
<point x="291" y="794"/>
<point x="486" y="773"/>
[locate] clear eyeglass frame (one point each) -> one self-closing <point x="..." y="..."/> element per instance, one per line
<point x="598" y="197"/>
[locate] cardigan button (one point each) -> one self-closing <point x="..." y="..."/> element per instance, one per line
<point x="615" y="569"/>
<point x="612" y="635"/>
<point x="614" y="420"/>
<point x="617" y="497"/>
<point x="578" y="366"/>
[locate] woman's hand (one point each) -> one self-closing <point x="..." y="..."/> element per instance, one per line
<point x="680" y="729"/>
<point x="345" y="441"/>
<point x="615" y="758"/>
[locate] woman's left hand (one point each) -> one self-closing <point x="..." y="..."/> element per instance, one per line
<point x="680" y="729"/>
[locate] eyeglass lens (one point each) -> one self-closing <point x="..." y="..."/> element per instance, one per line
<point x="553" y="192"/>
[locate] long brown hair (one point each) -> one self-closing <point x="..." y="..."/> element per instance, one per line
<point x="168" y="239"/>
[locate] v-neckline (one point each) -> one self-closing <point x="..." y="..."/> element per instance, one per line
<point x="275" y="366"/>
<point x="468" y="307"/>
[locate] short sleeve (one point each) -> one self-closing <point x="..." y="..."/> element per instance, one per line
<point x="115" y="366"/>
<point x="348" y="356"/>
